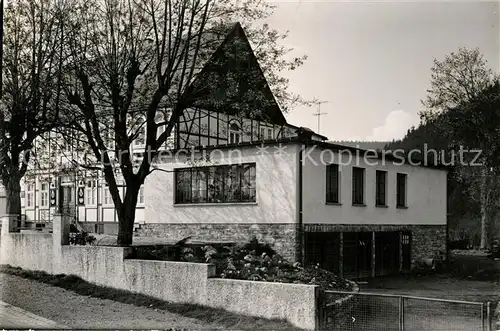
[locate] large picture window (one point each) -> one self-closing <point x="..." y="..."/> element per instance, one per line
<point x="216" y="184"/>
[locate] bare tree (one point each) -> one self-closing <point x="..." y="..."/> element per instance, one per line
<point x="130" y="60"/>
<point x="34" y="32"/>
<point x="460" y="77"/>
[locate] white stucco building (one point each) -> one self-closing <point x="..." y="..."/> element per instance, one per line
<point x="353" y="216"/>
<point x="254" y="174"/>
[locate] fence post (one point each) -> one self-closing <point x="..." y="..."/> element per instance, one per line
<point x="401" y="313"/>
<point x="320" y="309"/>
<point x="488" y="317"/>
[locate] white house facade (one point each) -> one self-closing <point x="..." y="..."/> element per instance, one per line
<point x="246" y="175"/>
<point x="305" y="203"/>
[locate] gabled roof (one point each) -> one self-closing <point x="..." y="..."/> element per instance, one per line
<point x="233" y="82"/>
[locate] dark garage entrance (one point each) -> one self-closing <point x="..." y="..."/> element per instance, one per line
<point x="386" y="253"/>
<point x="323" y="248"/>
<point x="352" y="252"/>
<point x="357" y="254"/>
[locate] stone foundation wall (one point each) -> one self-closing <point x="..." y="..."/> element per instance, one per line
<point x="110" y="228"/>
<point x="426" y="240"/>
<point x="282" y="237"/>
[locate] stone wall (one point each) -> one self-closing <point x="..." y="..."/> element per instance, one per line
<point x="426" y="240"/>
<point x="110" y="228"/>
<point x="282" y="237"/>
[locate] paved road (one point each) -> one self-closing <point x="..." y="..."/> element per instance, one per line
<point x="12" y="317"/>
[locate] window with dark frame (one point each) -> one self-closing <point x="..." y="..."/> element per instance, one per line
<point x="30" y="195"/>
<point x="358" y="178"/>
<point x="216" y="184"/>
<point x="401" y="190"/>
<point x="234" y="133"/>
<point x="380" y="194"/>
<point x="44" y="195"/>
<point x="332" y="183"/>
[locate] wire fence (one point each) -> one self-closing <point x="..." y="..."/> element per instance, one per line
<point x="349" y="311"/>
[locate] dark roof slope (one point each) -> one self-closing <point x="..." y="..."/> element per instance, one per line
<point x="233" y="82"/>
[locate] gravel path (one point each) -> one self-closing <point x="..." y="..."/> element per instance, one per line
<point x="81" y="312"/>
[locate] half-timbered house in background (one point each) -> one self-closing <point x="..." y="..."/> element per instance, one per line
<point x="251" y="173"/>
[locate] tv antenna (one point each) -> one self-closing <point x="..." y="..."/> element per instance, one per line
<point x="319" y="113"/>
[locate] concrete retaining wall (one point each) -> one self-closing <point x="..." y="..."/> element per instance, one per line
<point x="178" y="282"/>
<point x="28" y="251"/>
<point x="269" y="300"/>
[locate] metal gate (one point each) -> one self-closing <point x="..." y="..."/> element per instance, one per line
<point x="348" y="311"/>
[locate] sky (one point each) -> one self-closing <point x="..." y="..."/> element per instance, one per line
<point x="371" y="60"/>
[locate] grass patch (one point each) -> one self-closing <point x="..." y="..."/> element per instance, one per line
<point x="202" y="313"/>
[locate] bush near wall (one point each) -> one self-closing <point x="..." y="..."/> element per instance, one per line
<point x="250" y="261"/>
<point x="470" y="264"/>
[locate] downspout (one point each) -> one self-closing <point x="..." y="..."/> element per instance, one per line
<point x="299" y="228"/>
<point x="304" y="135"/>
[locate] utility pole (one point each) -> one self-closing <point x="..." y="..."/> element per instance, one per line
<point x="319" y="113"/>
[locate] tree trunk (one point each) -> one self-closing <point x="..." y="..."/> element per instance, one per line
<point x="126" y="216"/>
<point x="13" y="195"/>
<point x="484" y="208"/>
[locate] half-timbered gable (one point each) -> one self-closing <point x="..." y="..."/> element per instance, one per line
<point x="231" y="101"/>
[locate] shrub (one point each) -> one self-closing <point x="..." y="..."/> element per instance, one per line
<point x="250" y="261"/>
<point x="494" y="251"/>
<point x="458" y="244"/>
<point x="81" y="238"/>
<point x="259" y="262"/>
<point x="258" y="248"/>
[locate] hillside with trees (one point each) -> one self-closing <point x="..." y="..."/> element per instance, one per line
<point x="461" y="122"/>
